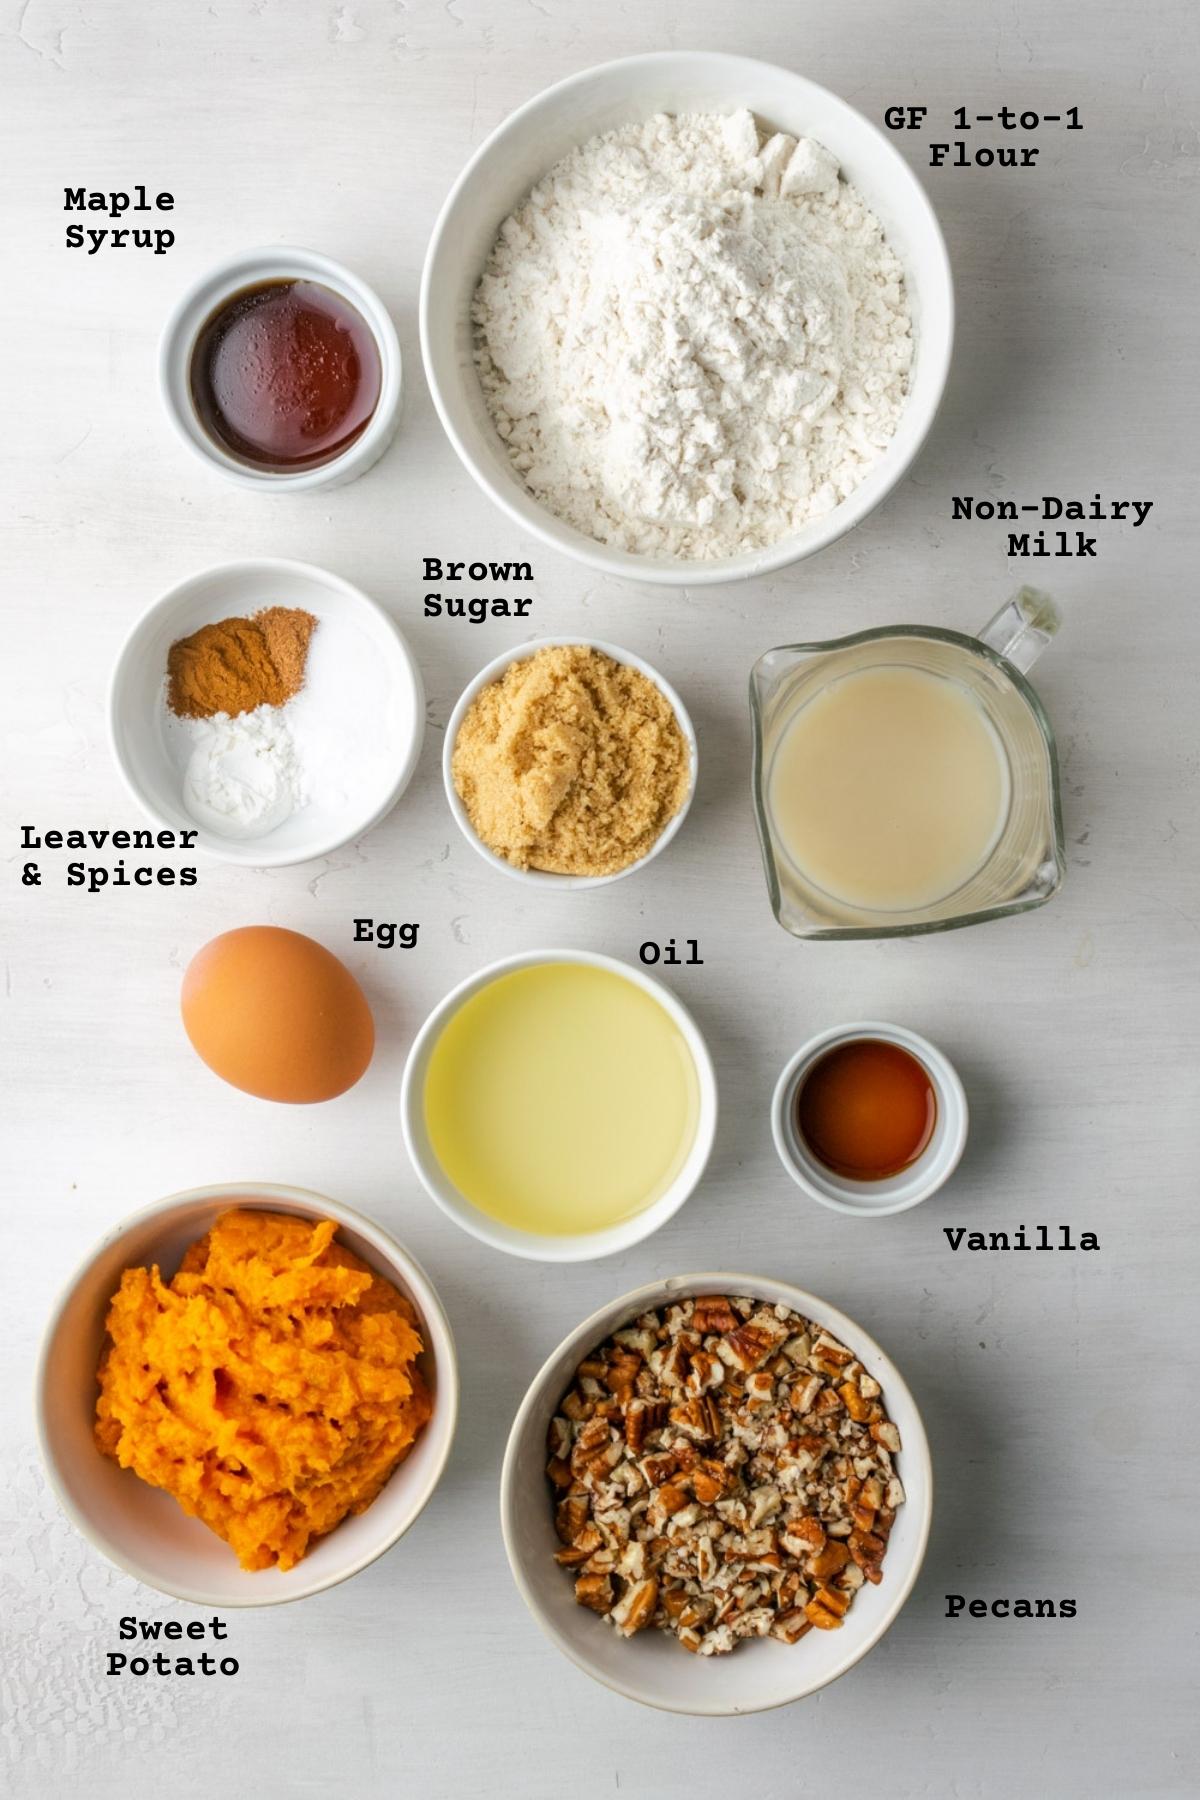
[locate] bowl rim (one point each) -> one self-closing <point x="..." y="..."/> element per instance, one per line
<point x="253" y="853"/>
<point x="562" y="1248"/>
<point x="530" y="515"/>
<point x="491" y="672"/>
<point x="837" y="1191"/>
<point x="628" y="1306"/>
<point x="268" y="262"/>
<point x="389" y="1249"/>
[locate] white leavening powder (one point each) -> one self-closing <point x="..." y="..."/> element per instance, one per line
<point x="243" y="777"/>
<point x="691" y="339"/>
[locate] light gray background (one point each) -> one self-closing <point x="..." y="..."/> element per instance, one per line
<point x="1062" y="1423"/>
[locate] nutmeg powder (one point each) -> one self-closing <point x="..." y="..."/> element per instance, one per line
<point x="238" y="664"/>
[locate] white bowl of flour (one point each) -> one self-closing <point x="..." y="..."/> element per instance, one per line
<point x="687" y="317"/>
<point x="321" y="770"/>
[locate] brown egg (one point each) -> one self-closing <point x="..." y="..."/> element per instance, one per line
<point x="277" y="1015"/>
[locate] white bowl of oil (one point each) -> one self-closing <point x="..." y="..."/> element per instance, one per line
<point x="559" y="1105"/>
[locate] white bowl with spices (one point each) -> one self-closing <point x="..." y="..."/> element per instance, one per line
<point x="650" y="1667"/>
<point x="347" y="743"/>
<point x="547" y="879"/>
<point x="527" y="146"/>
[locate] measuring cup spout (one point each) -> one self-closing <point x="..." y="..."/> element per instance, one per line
<point x="1023" y="627"/>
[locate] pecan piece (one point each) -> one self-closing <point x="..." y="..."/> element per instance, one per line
<point x="708" y="1481"/>
<point x="588" y="1540"/>
<point x="713" y="1314"/>
<point x="746" y="1347"/>
<point x="698" y="1418"/>
<point x="791" y="1626"/>
<point x="804" y="1536"/>
<point x="571" y="1515"/>
<point x="595" y="1592"/>
<point x="867" y="1551"/>
<point x="595" y="1451"/>
<point x="858" y="1408"/>
<point x="827" y="1562"/>
<point x="559" y="1472"/>
<point x="827" y="1608"/>
<point x="804" y="1393"/>
<point x="558" y="1438"/>
<point x="635" y="1609"/>
<point x="621" y="1375"/>
<point x="637" y="1424"/>
<point x="707" y="1371"/>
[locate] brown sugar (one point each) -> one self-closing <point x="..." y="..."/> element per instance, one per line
<point x="238" y="664"/>
<point x="571" y="763"/>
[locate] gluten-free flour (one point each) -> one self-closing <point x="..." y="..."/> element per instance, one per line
<point x="693" y="339"/>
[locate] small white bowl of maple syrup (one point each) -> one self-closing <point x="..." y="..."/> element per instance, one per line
<point x="870" y="1118"/>
<point x="281" y="369"/>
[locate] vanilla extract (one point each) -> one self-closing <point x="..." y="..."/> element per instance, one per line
<point x="959" y="1238"/>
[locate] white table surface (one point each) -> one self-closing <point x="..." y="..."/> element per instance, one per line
<point x="1061" y="1418"/>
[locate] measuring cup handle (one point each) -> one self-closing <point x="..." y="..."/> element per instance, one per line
<point x="1023" y="627"/>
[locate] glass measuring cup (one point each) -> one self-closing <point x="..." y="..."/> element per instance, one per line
<point x="1025" y="865"/>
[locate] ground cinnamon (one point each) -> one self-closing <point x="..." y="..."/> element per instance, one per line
<point x="238" y="664"/>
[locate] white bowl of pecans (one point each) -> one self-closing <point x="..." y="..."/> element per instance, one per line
<point x="716" y="1495"/>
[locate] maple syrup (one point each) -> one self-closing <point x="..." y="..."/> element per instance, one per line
<point x="285" y="375"/>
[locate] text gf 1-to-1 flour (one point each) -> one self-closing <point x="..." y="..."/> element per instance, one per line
<point x="691" y="339"/>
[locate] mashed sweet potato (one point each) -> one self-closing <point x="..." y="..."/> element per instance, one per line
<point x="271" y="1387"/>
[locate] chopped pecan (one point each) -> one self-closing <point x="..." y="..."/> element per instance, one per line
<point x="867" y="1551"/>
<point x="791" y="1626"/>
<point x="858" y="1408"/>
<point x="572" y="1515"/>
<point x="698" y="1418"/>
<point x="588" y="1540"/>
<point x="621" y="1374"/>
<point x="827" y="1562"/>
<point x="707" y="1473"/>
<point x="821" y="1617"/>
<point x="596" y="1450"/>
<point x="746" y="1346"/>
<point x="558" y="1438"/>
<point x="595" y="1592"/>
<point x="712" y="1314"/>
<point x="635" y="1609"/>
<point x="707" y="1371"/>
<point x="807" y="1534"/>
<point x="803" y="1395"/>
<point x="708" y="1481"/>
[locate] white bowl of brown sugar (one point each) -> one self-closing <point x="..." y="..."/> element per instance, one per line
<point x="570" y="763"/>
<point x="269" y="709"/>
